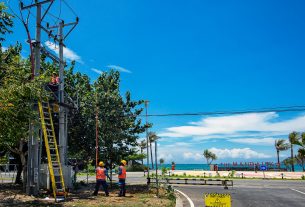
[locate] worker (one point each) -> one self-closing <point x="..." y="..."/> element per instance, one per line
<point x="101" y="174"/>
<point x="54" y="79"/>
<point x="122" y="178"/>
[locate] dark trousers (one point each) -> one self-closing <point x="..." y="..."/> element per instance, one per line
<point x="122" y="187"/>
<point x="98" y="184"/>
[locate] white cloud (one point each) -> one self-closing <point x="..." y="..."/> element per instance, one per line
<point x="3" y="49"/>
<point x="238" y="126"/>
<point x="97" y="70"/>
<point x="245" y="153"/>
<point x="68" y="53"/>
<point x="118" y="68"/>
<point x="267" y="141"/>
<point x="191" y="155"/>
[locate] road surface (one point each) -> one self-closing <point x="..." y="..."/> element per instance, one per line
<point x="248" y="193"/>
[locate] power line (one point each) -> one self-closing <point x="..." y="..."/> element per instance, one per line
<point x="263" y="110"/>
<point x="70" y="7"/>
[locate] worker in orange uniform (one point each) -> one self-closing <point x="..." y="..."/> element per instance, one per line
<point x="122" y="178"/>
<point x="101" y="174"/>
<point x="54" y="79"/>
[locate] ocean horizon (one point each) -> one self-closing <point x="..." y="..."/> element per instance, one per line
<point x="298" y="168"/>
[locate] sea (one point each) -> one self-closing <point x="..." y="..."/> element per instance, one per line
<point x="298" y="168"/>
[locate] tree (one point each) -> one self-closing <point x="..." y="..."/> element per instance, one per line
<point x="161" y="161"/>
<point x="18" y="93"/>
<point x="81" y="122"/>
<point x="152" y="137"/>
<point x="293" y="139"/>
<point x="280" y="145"/>
<point x="209" y="156"/>
<point x="119" y="123"/>
<point x="142" y="146"/>
<point x="300" y="158"/>
<point x="6" y="22"/>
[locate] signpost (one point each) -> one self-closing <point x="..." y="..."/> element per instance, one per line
<point x="263" y="168"/>
<point x="217" y="200"/>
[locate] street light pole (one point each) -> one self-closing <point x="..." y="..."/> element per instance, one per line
<point x="156" y="145"/>
<point x="146" y="106"/>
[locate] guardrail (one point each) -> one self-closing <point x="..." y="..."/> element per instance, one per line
<point x="8" y="173"/>
<point x="193" y="181"/>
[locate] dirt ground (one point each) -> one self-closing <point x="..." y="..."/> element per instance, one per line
<point x="136" y="196"/>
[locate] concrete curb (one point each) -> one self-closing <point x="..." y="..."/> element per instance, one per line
<point x="179" y="202"/>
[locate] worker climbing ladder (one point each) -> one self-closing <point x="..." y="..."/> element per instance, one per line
<point x="54" y="164"/>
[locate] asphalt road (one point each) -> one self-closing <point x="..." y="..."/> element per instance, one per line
<point x="252" y="193"/>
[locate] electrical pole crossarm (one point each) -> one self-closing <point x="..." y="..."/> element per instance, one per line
<point x="51" y="35"/>
<point x="33" y="5"/>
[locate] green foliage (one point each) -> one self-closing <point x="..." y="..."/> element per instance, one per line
<point x="164" y="170"/>
<point x="303" y="177"/>
<point x="119" y="125"/>
<point x="82" y="119"/>
<point x="135" y="168"/>
<point x="170" y="192"/>
<point x="232" y="174"/>
<point x="6" y="22"/>
<point x="161" y="161"/>
<point x="136" y="157"/>
<point x="209" y="156"/>
<point x="18" y="94"/>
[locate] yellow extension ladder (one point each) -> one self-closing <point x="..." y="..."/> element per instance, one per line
<point x="55" y="168"/>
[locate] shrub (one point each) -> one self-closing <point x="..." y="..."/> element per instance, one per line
<point x="303" y="177"/>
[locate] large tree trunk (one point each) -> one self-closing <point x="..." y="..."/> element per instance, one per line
<point x="151" y="157"/>
<point x="19" y="171"/>
<point x="278" y="159"/>
<point x="20" y="151"/>
<point x="142" y="153"/>
<point x="292" y="163"/>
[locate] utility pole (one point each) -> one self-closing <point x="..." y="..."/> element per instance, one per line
<point x="33" y="164"/>
<point x="33" y="157"/>
<point x="63" y="111"/>
<point x="156" y="160"/>
<point x="147" y="151"/>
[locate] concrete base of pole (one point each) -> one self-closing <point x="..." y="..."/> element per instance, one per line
<point x="45" y="180"/>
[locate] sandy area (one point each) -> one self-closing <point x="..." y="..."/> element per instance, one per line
<point x="247" y="174"/>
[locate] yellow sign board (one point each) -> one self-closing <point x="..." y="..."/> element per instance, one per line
<point x="217" y="200"/>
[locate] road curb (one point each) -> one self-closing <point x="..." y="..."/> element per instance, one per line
<point x="179" y="202"/>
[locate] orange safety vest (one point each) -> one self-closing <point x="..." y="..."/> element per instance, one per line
<point x="123" y="175"/>
<point x="55" y="80"/>
<point x="100" y="174"/>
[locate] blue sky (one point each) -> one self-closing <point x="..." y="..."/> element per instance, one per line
<point x="193" y="56"/>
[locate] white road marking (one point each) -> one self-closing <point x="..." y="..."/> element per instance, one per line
<point x="297" y="191"/>
<point x="188" y="198"/>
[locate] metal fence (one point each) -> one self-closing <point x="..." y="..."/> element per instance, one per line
<point x="8" y="173"/>
<point x="193" y="181"/>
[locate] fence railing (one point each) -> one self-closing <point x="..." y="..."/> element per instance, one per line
<point x="193" y="181"/>
<point x="8" y="173"/>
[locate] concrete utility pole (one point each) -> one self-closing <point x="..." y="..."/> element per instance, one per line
<point x="63" y="111"/>
<point x="33" y="158"/>
<point x="147" y="151"/>
<point x="33" y="164"/>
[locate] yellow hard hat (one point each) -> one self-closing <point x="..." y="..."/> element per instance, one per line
<point x="101" y="164"/>
<point x="123" y="162"/>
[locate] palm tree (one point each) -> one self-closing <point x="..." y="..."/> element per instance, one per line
<point x="209" y="156"/>
<point x="161" y="161"/>
<point x="280" y="145"/>
<point x="152" y="137"/>
<point x="293" y="139"/>
<point x="142" y="146"/>
<point x="300" y="158"/>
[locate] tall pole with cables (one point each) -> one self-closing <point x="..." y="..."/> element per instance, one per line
<point x="147" y="151"/>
